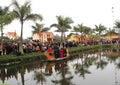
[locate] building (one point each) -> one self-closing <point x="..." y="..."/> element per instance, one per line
<point x="43" y="36"/>
<point x="73" y="37"/>
<point x="12" y="35"/>
<point x="110" y="36"/>
<point x="79" y="38"/>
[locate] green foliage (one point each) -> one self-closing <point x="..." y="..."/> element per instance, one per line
<point x="117" y="24"/>
<point x="23" y="13"/>
<point x="62" y="25"/>
<point x="5" y="16"/>
<point x="100" y="28"/>
<point x="39" y="28"/>
<point x="24" y="57"/>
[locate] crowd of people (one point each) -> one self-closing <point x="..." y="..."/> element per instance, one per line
<point x="28" y="47"/>
<point x="56" y="51"/>
<point x="33" y="46"/>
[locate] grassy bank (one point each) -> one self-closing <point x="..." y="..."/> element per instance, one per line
<point x="39" y="55"/>
<point x="90" y="47"/>
<point x="21" y="58"/>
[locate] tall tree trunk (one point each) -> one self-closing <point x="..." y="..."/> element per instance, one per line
<point x="64" y="39"/>
<point x="76" y="37"/>
<point x="21" y="40"/>
<point x="81" y="39"/>
<point x="1" y="38"/>
<point x="62" y="33"/>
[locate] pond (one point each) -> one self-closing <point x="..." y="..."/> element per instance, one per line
<point x="100" y="67"/>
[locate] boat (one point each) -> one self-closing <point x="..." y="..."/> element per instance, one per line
<point x="59" y="59"/>
<point x="50" y="56"/>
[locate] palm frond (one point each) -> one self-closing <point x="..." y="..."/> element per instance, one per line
<point x="39" y="25"/>
<point x="45" y="29"/>
<point x="117" y="24"/>
<point x="55" y="25"/>
<point x="33" y="27"/>
<point x="33" y="17"/>
<point x="16" y="5"/>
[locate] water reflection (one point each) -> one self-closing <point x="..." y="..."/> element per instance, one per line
<point x="65" y="74"/>
<point x="76" y="71"/>
<point x="40" y="77"/>
<point x="82" y="66"/>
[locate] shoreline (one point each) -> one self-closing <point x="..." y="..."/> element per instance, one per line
<point x="40" y="55"/>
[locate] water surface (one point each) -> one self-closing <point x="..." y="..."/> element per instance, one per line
<point x="90" y="68"/>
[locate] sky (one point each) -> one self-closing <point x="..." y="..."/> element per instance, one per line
<point x="88" y="12"/>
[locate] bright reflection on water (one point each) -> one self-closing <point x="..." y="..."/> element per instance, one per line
<point x="89" y="68"/>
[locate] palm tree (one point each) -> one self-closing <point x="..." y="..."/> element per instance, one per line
<point x="5" y="18"/>
<point x="117" y="25"/>
<point x="100" y="28"/>
<point x="23" y="13"/>
<point x="38" y="28"/>
<point x="63" y="25"/>
<point x="87" y="30"/>
<point x="80" y="28"/>
<point x="75" y="29"/>
<point x="111" y="31"/>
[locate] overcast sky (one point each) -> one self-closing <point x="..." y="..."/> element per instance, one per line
<point x="88" y="12"/>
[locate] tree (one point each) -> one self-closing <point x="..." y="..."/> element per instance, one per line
<point x="63" y="25"/>
<point x="87" y="30"/>
<point x="39" y="28"/>
<point x="5" y="18"/>
<point x="80" y="28"/>
<point x="117" y="25"/>
<point x="23" y="13"/>
<point x="111" y="31"/>
<point x="100" y="28"/>
<point x="75" y="29"/>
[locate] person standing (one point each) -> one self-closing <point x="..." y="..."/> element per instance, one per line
<point x="0" y="50"/>
<point x="61" y="52"/>
<point x="56" y="51"/>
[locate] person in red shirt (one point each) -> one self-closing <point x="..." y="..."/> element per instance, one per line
<point x="61" y="52"/>
<point x="3" y="48"/>
<point x="49" y="50"/>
